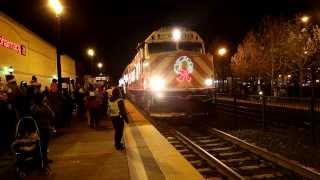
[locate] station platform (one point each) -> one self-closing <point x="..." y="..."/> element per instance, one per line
<point x="150" y="155"/>
<point x="81" y="152"/>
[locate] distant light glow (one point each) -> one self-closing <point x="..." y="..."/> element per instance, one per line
<point x="260" y="93"/>
<point x="100" y="65"/>
<point x="176" y="34"/>
<point x="90" y="52"/>
<point x="222" y="51"/>
<point x="208" y="82"/>
<point x="289" y="75"/>
<point x="56" y="6"/>
<point x="305" y="19"/>
<point x="317" y="81"/>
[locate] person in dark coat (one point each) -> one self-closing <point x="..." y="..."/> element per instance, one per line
<point x="43" y="116"/>
<point x="92" y="108"/>
<point x="118" y="115"/>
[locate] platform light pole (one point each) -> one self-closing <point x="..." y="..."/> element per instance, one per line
<point x="305" y="20"/>
<point x="100" y="65"/>
<point x="222" y="51"/>
<point x="57" y="7"/>
<point x="91" y="53"/>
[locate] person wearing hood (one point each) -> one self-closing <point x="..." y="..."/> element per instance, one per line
<point x="35" y="84"/>
<point x="118" y="115"/>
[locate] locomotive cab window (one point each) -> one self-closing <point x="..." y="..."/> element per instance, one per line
<point x="191" y="46"/>
<point x="161" y="47"/>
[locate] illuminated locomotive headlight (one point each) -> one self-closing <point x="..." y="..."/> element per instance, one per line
<point x="208" y="82"/>
<point x="157" y="84"/>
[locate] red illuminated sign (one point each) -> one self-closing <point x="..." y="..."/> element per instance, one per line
<point x="20" y="49"/>
<point x="184" y="75"/>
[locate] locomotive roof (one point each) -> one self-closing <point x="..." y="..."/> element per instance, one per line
<point x="164" y="34"/>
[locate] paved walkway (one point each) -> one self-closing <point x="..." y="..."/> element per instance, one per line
<point x="84" y="153"/>
<point x="80" y="153"/>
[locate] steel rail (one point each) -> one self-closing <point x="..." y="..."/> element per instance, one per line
<point x="211" y="160"/>
<point x="272" y="157"/>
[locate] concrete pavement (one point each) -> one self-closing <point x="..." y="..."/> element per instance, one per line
<point x="84" y="153"/>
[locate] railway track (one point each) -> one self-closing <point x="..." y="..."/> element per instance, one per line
<point x="218" y="155"/>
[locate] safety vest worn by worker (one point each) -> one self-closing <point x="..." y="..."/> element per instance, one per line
<point x="114" y="108"/>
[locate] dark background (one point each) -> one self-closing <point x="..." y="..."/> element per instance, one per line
<point x="114" y="27"/>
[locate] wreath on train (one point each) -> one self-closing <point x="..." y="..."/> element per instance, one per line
<point x="183" y="68"/>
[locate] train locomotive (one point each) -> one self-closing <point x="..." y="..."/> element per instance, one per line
<point x="171" y="75"/>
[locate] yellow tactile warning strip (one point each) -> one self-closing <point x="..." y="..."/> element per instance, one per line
<point x="150" y="155"/>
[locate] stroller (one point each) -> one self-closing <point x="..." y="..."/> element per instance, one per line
<point x="26" y="147"/>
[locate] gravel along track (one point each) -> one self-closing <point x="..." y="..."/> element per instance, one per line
<point x="218" y="155"/>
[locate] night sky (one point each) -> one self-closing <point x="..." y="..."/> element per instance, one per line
<point x="114" y="28"/>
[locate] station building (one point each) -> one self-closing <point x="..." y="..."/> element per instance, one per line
<point x="27" y="54"/>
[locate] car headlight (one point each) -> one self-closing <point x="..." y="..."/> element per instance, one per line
<point x="208" y="82"/>
<point x="157" y="83"/>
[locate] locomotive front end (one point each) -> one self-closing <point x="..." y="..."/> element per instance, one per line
<point x="172" y="74"/>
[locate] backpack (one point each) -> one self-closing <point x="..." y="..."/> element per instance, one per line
<point x="113" y="109"/>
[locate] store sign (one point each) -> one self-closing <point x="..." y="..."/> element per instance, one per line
<point x="183" y="68"/>
<point x="19" y="48"/>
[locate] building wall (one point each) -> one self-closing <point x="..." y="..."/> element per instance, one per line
<point x="40" y="57"/>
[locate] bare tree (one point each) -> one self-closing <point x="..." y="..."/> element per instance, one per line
<point x="273" y="38"/>
<point x="249" y="60"/>
<point x="300" y="47"/>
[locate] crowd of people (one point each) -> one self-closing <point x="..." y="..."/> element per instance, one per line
<point x="53" y="110"/>
<point x="50" y="109"/>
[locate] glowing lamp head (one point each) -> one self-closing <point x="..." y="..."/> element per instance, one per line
<point x="157" y="84"/>
<point x="176" y="34"/>
<point x="305" y="19"/>
<point x="100" y="65"/>
<point x="222" y="51"/>
<point x="208" y="82"/>
<point x="90" y="52"/>
<point x="260" y="93"/>
<point x="56" y="6"/>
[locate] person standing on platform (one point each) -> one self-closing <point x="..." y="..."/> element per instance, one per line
<point x="35" y="84"/>
<point x="44" y="116"/>
<point x="118" y="115"/>
<point x="92" y="106"/>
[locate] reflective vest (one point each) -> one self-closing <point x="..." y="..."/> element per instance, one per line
<point x="114" y="108"/>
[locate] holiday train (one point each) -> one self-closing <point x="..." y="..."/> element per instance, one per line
<point x="171" y="74"/>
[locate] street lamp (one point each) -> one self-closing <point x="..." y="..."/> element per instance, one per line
<point x="90" y="52"/>
<point x="99" y="65"/>
<point x="57" y="7"/>
<point x="305" y="19"/>
<point x="222" y="51"/>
